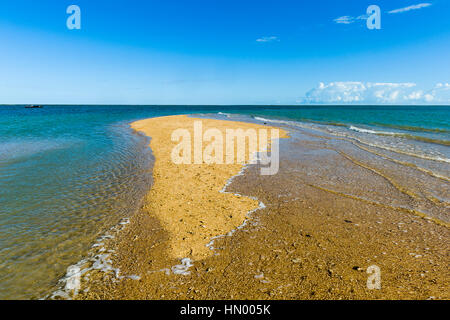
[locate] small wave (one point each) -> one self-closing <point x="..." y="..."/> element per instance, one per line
<point x="377" y="145"/>
<point x="411" y="128"/>
<point x="420" y="156"/>
<point x="372" y="131"/>
<point x="401" y="135"/>
<point x="404" y="163"/>
<point x="274" y="121"/>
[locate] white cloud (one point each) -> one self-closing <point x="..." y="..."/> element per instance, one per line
<point x="349" y="19"/>
<point x="268" y="39"/>
<point x="344" y="20"/>
<point x="440" y="93"/>
<point x="376" y="93"/>
<point x="413" y="7"/>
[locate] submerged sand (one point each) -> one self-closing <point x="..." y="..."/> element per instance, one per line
<point x="328" y="220"/>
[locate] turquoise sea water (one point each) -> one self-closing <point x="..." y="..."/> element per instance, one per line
<point x="69" y="173"/>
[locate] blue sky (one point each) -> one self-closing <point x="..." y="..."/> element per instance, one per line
<point x="224" y="52"/>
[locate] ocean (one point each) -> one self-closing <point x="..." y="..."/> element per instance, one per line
<point x="70" y="173"/>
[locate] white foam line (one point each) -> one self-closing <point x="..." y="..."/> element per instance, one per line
<point x="98" y="260"/>
<point x="362" y="130"/>
<point x="249" y="213"/>
<point x="183" y="268"/>
<point x="224" y="114"/>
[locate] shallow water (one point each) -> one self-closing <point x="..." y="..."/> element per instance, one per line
<point x="368" y="170"/>
<point x="70" y="173"/>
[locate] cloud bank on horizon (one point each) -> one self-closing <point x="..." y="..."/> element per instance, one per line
<point x="376" y="93"/>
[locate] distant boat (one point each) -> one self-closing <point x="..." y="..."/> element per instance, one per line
<point x="33" y="106"/>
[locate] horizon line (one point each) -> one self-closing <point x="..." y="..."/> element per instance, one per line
<point x="221" y="105"/>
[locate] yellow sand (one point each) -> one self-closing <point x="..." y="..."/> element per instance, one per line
<point x="186" y="197"/>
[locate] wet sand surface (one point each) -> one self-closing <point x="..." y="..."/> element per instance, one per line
<point x="332" y="211"/>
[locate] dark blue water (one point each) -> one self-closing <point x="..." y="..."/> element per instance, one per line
<point x="68" y="173"/>
<point x="414" y="118"/>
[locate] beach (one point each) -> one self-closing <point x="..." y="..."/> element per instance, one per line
<point x="333" y="211"/>
<point x="186" y="198"/>
<point x="207" y="150"/>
